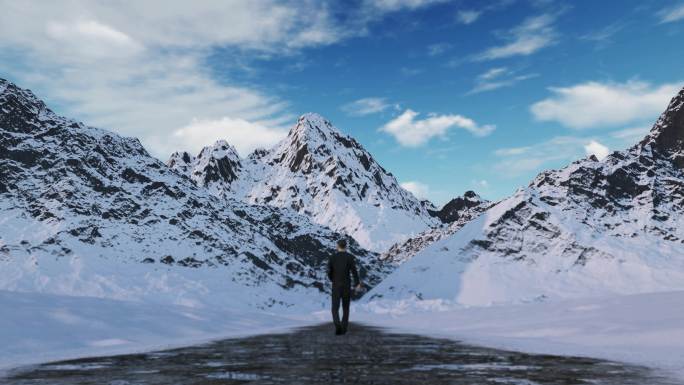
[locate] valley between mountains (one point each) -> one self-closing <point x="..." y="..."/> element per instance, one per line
<point x="215" y="237"/>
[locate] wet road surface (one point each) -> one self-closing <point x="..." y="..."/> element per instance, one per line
<point x="314" y="355"/>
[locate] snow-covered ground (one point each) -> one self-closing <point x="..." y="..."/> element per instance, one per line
<point x="37" y="327"/>
<point x="645" y="329"/>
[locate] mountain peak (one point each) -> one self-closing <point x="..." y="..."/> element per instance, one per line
<point x="455" y="208"/>
<point x="320" y="172"/>
<point x="181" y="161"/>
<point x="3" y="85"/>
<point x="471" y="195"/>
<point x="667" y="134"/>
<point x="314" y="141"/>
<point x="220" y="149"/>
<point x="454" y="215"/>
<point x="22" y="110"/>
<point x="312" y="127"/>
<point x="11" y="92"/>
<point x="217" y="163"/>
<point x="312" y="117"/>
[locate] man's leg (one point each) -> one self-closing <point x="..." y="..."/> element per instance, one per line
<point x="336" y="294"/>
<point x="346" y="298"/>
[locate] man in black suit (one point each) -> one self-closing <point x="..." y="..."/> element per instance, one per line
<point x="340" y="265"/>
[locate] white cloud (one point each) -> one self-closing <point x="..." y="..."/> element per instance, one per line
<point x="260" y="24"/>
<point x="151" y="97"/>
<point x="597" y="149"/>
<point x="603" y="36"/>
<point x="396" y="5"/>
<point x="494" y="85"/>
<point x="480" y="184"/>
<point x="244" y="135"/>
<point x="366" y="106"/>
<point x="468" y="16"/>
<point x="561" y="150"/>
<point x="140" y="67"/>
<point x="496" y="78"/>
<point x="420" y="190"/>
<point x="594" y="104"/>
<point x="89" y="35"/>
<point x="412" y="132"/>
<point x="555" y="152"/>
<point x="438" y="48"/>
<point x="672" y="14"/>
<point x="525" y="39"/>
<point x="86" y="41"/>
<point x="493" y="73"/>
<point x="512" y="151"/>
<point x="631" y="134"/>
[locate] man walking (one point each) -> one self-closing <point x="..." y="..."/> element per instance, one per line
<point x="340" y="265"/>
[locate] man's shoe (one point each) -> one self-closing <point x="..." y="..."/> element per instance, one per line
<point x="338" y="331"/>
<point x="344" y="330"/>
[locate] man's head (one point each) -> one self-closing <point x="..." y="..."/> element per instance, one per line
<point x="341" y="245"/>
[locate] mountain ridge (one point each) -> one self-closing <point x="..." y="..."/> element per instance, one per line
<point x="320" y="172"/>
<point x="590" y="228"/>
<point x="456" y="213"/>
<point x="88" y="212"/>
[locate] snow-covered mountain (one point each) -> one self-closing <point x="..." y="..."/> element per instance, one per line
<point x="319" y="172"/>
<point x="591" y="228"/>
<point x="455" y="214"/>
<point x="216" y="167"/>
<point x="84" y="211"/>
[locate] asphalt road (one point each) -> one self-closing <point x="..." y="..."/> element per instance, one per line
<point x="314" y="355"/>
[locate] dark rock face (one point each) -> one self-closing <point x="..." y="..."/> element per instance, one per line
<point x="221" y="169"/>
<point x="298" y="162"/>
<point x="452" y="211"/>
<point x="180" y="161"/>
<point x="98" y="189"/>
<point x="667" y="136"/>
<point x="455" y="214"/>
<point x="216" y="165"/>
<point x="18" y="115"/>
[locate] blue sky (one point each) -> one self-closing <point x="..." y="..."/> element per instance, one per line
<point x="447" y="95"/>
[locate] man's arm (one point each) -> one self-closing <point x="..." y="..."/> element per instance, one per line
<point x="355" y="273"/>
<point x="330" y="269"/>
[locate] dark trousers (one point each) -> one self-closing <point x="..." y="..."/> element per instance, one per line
<point x="343" y="293"/>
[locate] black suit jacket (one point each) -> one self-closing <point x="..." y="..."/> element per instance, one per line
<point x="340" y="265"/>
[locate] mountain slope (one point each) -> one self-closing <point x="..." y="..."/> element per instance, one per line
<point x="319" y="172"/>
<point x="87" y="212"/>
<point x="216" y="167"/>
<point x="594" y="227"/>
<point x="455" y="214"/>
